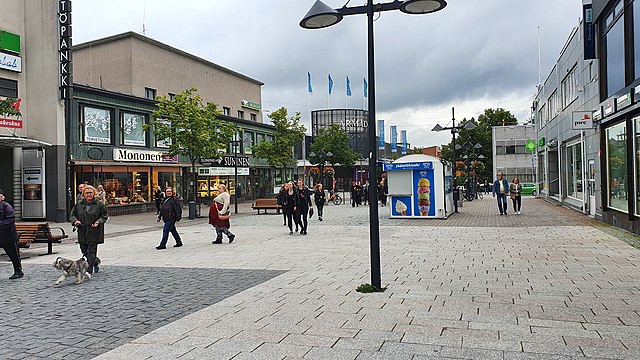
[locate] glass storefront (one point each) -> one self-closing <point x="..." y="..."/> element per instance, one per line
<point x="574" y="178"/>
<point x="636" y="123"/>
<point x="617" y="167"/>
<point x="208" y="186"/>
<point x="127" y="184"/>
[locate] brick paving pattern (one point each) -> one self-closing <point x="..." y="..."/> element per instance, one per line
<point x="43" y="321"/>
<point x="548" y="284"/>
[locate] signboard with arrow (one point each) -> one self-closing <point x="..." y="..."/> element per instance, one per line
<point x="32" y="176"/>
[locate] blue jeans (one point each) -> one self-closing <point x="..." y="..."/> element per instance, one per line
<point x="502" y="203"/>
<point x="169" y="227"/>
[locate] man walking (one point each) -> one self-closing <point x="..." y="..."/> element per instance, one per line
<point x="501" y="190"/>
<point x="9" y="236"/>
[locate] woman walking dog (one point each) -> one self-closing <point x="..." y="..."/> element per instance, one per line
<point x="218" y="215"/>
<point x="89" y="216"/>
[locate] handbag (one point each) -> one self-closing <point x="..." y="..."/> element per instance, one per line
<point x="221" y="216"/>
<point x="310" y="212"/>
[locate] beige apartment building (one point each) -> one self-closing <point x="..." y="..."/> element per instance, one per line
<point x="32" y="147"/>
<point x="134" y="64"/>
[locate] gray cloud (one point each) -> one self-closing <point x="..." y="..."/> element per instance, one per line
<point x="471" y="51"/>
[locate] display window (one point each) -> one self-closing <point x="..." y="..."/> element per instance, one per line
<point x="617" y="167"/>
<point x="126" y="184"/>
<point x="636" y="122"/>
<point x="247" y="141"/>
<point x="208" y="186"/>
<point x="574" y="178"/>
<point x="96" y="124"/>
<point x="132" y="129"/>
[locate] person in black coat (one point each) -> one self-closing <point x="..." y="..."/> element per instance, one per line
<point x="159" y="196"/>
<point x="304" y="205"/>
<point x="290" y="205"/>
<point x="319" y="198"/>
<point x="9" y="236"/>
<point x="170" y="213"/>
<point x="280" y="199"/>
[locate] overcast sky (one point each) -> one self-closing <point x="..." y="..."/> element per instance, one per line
<point x="471" y="55"/>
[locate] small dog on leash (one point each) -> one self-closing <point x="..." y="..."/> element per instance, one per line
<point x="71" y="268"/>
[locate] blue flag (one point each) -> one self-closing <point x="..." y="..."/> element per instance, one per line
<point x="404" y="142"/>
<point x="348" y="87"/>
<point x="366" y="86"/>
<point x="380" y="134"/>
<point x="330" y="84"/>
<point x="309" y="88"/>
<point x="394" y="138"/>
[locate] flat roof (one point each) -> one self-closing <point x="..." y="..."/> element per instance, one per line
<point x="131" y="34"/>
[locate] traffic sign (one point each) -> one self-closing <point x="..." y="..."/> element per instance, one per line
<point x="531" y="145"/>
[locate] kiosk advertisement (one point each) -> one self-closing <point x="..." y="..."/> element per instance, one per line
<point x="423" y="194"/>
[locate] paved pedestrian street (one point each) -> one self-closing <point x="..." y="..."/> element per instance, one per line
<point x="547" y="284"/>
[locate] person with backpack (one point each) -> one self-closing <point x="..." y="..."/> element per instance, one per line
<point x="170" y="213"/>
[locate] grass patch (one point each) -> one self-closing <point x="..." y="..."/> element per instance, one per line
<point x="368" y="288"/>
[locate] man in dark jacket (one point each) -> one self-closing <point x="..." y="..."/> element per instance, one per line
<point x="303" y="196"/>
<point x="501" y="190"/>
<point x="9" y="236"/>
<point x="89" y="216"/>
<point x="170" y="213"/>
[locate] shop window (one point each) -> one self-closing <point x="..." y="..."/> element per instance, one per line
<point x="150" y="93"/>
<point x="573" y="178"/>
<point x="96" y="125"/>
<point x="569" y="88"/>
<point x="614" y="50"/>
<point x="8" y="88"/>
<point x="617" y="167"/>
<point x="247" y="141"/>
<point x="166" y="143"/>
<point x="170" y="179"/>
<point x="636" y="37"/>
<point x="637" y="157"/>
<point x="510" y="149"/>
<point x="259" y="139"/>
<point x="132" y="129"/>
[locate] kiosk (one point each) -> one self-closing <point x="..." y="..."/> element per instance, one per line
<point x="419" y="187"/>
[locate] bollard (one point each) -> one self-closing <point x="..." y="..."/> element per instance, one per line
<point x="192" y="210"/>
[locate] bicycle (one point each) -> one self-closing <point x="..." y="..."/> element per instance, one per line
<point x="335" y="198"/>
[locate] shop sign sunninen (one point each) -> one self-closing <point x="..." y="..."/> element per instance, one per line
<point x="242" y="161"/>
<point x="64" y="48"/>
<point x="142" y="156"/>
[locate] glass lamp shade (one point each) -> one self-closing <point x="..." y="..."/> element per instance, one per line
<point x="320" y="16"/>
<point x="422" y="6"/>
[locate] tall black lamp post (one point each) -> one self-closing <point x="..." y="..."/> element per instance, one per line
<point x="469" y="157"/>
<point x="454" y="130"/>
<point x="320" y="16"/>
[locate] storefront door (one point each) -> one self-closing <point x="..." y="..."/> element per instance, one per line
<point x="592" y="187"/>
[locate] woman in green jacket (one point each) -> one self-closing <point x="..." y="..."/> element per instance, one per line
<point x="89" y="216"/>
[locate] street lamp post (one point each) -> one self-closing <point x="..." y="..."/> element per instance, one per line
<point x="235" y="143"/>
<point x="468" y="162"/>
<point x="322" y="158"/>
<point x="320" y="16"/>
<point x="454" y="129"/>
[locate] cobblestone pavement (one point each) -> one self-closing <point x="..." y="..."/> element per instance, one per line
<point x="547" y="284"/>
<point x="121" y="303"/>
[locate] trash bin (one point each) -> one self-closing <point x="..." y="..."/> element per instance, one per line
<point x="192" y="210"/>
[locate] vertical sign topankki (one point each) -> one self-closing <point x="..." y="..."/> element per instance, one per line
<point x="64" y="48"/>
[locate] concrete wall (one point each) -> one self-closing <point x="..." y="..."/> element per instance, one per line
<point x="42" y="112"/>
<point x="517" y="135"/>
<point x="129" y="64"/>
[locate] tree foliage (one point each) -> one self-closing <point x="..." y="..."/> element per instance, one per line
<point x="480" y="135"/>
<point x="191" y="127"/>
<point x="288" y="131"/>
<point x="334" y="140"/>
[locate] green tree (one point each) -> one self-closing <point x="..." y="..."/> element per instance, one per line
<point x="192" y="129"/>
<point x="333" y="140"/>
<point x="288" y="131"/>
<point x="482" y="135"/>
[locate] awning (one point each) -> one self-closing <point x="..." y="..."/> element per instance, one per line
<point x="10" y="142"/>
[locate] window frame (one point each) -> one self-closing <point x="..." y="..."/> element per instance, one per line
<point x="608" y="166"/>
<point x="83" y="127"/>
<point x="145" y="120"/>
<point x="148" y="91"/>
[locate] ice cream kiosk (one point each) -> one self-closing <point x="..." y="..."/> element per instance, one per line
<point x="419" y="187"/>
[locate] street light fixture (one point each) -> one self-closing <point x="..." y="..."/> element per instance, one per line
<point x="320" y="16"/>
<point x="454" y="129"/>
<point x="322" y="157"/>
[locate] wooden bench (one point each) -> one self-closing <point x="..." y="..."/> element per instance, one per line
<point x="39" y="233"/>
<point x="266" y="204"/>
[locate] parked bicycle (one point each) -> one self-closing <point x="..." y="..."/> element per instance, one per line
<point x="335" y="198"/>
